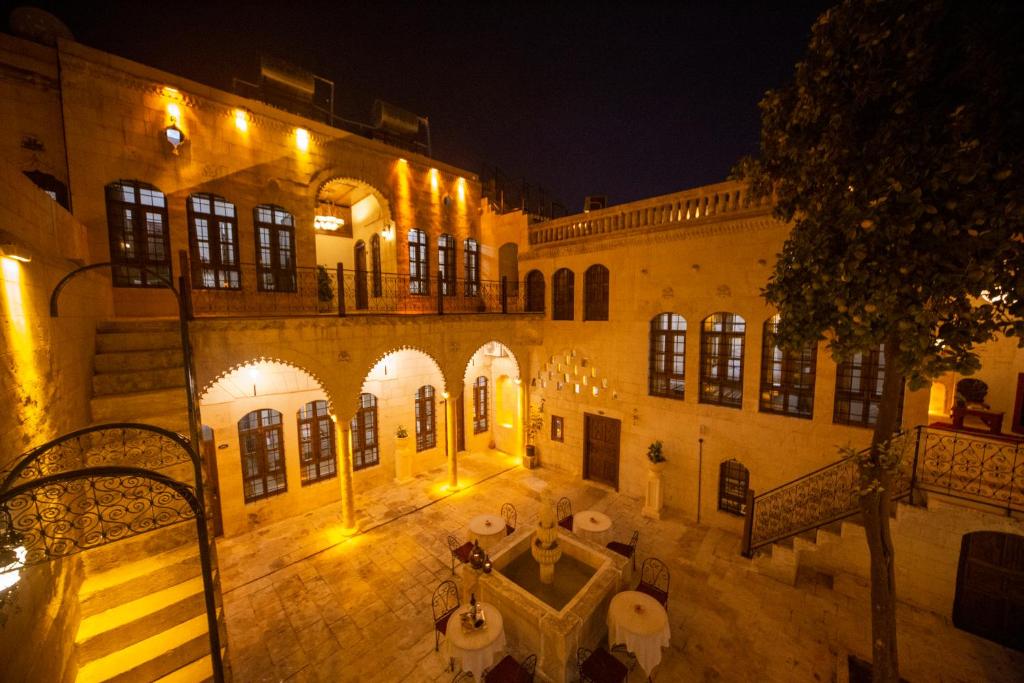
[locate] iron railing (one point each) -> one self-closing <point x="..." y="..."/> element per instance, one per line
<point x="986" y="469"/>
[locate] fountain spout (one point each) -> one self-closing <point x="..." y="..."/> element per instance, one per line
<point x="545" y="542"/>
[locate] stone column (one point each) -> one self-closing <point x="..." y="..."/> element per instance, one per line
<point x="524" y="415"/>
<point x="343" y="435"/>
<point x="449" y="439"/>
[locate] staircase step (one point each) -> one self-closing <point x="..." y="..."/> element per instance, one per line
<point x="122" y="361"/>
<point x="198" y="671"/>
<point x="153" y="657"/>
<point x="125" y="560"/>
<point x="137" y="380"/>
<point x="135" y="406"/>
<point x="110" y="342"/>
<point x="135" y="580"/>
<point x="110" y="630"/>
<point x="138" y="325"/>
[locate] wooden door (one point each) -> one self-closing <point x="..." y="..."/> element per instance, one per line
<point x="208" y="452"/>
<point x="601" y="449"/>
<point x="990" y="587"/>
<point x="362" y="291"/>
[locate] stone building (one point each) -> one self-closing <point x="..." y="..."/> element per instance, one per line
<point x="339" y="290"/>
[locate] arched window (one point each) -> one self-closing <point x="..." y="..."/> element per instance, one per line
<point x="787" y="377"/>
<point x="365" y="449"/>
<point x="139" y="234"/>
<point x="859" y="382"/>
<point x="472" y="251"/>
<point x="721" y="360"/>
<point x="426" y="433"/>
<point x="595" y="293"/>
<point x="668" y="356"/>
<point x="275" y="249"/>
<point x="535" y="292"/>
<point x="419" y="269"/>
<point x="316" y="442"/>
<point x="733" y="483"/>
<point x="562" y="295"/>
<point x="446" y="263"/>
<point x="377" y="279"/>
<point x="480" y="405"/>
<point x="213" y="242"/>
<point x="261" y="442"/>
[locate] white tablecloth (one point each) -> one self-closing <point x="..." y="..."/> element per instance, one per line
<point x="487" y="530"/>
<point x="476" y="650"/>
<point x="644" y="631"/>
<point x="592" y="525"/>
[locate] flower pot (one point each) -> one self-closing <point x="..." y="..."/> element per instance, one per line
<point x="530" y="460"/>
<point x="403" y="459"/>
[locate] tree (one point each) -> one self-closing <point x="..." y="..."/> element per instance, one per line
<point x="896" y="154"/>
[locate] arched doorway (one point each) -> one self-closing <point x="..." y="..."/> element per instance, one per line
<point x="990" y="587"/>
<point x="362" y="291"/>
<point x="491" y="416"/>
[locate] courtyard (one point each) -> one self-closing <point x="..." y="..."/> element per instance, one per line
<point x="305" y="603"/>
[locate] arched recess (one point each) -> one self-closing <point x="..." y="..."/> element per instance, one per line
<point x="495" y="362"/>
<point x="347" y="210"/>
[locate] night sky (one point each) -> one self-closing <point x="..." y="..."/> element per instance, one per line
<point x="628" y="101"/>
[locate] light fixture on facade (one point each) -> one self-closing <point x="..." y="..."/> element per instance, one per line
<point x="175" y="138"/>
<point x="242" y="120"/>
<point x="388" y="233"/>
<point x="12" y="248"/>
<point x="327" y="217"/>
<point x="302" y="139"/>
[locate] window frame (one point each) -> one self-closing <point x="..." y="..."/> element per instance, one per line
<point x="596" y="281"/>
<point x="471" y="255"/>
<point x="557" y="429"/>
<point x="563" y="294"/>
<point x="260" y="432"/>
<point x="446" y="264"/>
<point x="481" y="423"/>
<point x="215" y="265"/>
<point x="662" y="341"/>
<point x="778" y="365"/>
<point x="282" y="277"/>
<point x="419" y="262"/>
<point x="534" y="302"/>
<point x="714" y="366"/>
<point x="365" y="423"/>
<point x="733" y="487"/>
<point x="870" y="372"/>
<point x="118" y="229"/>
<point x="426" y="418"/>
<point x="315" y="415"/>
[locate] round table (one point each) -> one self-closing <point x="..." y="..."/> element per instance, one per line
<point x="477" y="649"/>
<point x="639" y="621"/>
<point x="592" y="525"/>
<point x="487" y="530"/>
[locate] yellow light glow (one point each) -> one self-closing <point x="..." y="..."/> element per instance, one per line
<point x="402" y="160"/>
<point x="434" y="179"/>
<point x="241" y="120"/>
<point x="168" y="91"/>
<point x="173" y="112"/>
<point x="21" y="345"/>
<point x="403" y="195"/>
<point x="444" y="395"/>
<point x="302" y="139"/>
<point x="11" y="574"/>
<point x="460" y="186"/>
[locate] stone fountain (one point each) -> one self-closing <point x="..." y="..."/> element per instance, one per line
<point x="545" y="543"/>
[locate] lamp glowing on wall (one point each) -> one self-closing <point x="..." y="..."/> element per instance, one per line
<point x="242" y="120"/>
<point x="388" y="233"/>
<point x="434" y="178"/>
<point x="16" y="252"/>
<point x="302" y="139"/>
<point x="460" y="186"/>
<point x="12" y="561"/>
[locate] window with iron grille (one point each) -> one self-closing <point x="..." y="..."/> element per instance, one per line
<point x="275" y="249"/>
<point x="419" y="269"/>
<point x="426" y="432"/>
<point x="787" y="377"/>
<point x="557" y="428"/>
<point x="446" y="263"/>
<point x="316" y="442"/>
<point x="595" y="293"/>
<point x="139" y="234"/>
<point x="213" y="241"/>
<point x="375" y="267"/>
<point x="261" y="442"/>
<point x="472" y="255"/>
<point x="480" y="405"/>
<point x="365" y="448"/>
<point x="733" y="483"/>
<point x="535" y="292"/>
<point x="667" y="361"/>
<point x="859" y="382"/>
<point x="721" y="360"/>
<point x="562" y="294"/>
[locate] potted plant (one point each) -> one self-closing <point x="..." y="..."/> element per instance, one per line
<point x="324" y="285"/>
<point x="534" y="423"/>
<point x="403" y="455"/>
<point x="653" y="500"/>
<point x="655" y="456"/>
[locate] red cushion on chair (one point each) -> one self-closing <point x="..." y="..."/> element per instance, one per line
<point x="602" y="667"/>
<point x="508" y="670"/>
<point x="566" y="523"/>
<point x="442" y="623"/>
<point x="509" y="530"/>
<point x="463" y="551"/>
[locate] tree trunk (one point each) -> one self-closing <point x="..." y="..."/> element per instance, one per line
<point x="875" y="508"/>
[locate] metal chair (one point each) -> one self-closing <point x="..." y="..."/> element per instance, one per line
<point x="626" y="549"/>
<point x="563" y="510"/>
<point x="599" y="666"/>
<point x="654" y="580"/>
<point x="459" y="551"/>
<point x="508" y="670"/>
<point x="508" y="511"/>
<point x="444" y="603"/>
<point x="463" y="677"/>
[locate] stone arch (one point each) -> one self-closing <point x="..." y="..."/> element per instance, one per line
<point x="479" y="347"/>
<point x="395" y="349"/>
<point x="236" y="367"/>
<point x="326" y="176"/>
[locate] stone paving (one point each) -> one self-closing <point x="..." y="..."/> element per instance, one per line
<point x="305" y="603"/>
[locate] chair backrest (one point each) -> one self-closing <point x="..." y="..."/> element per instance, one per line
<point x="529" y="666"/>
<point x="563" y="508"/>
<point x="653" y="572"/>
<point x="463" y="677"/>
<point x="446" y="598"/>
<point x="973" y="390"/>
<point x="508" y="511"/>
<point x="582" y="655"/>
<point x="453" y="543"/>
<point x="634" y="538"/>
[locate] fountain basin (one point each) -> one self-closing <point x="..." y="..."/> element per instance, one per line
<point x="553" y="620"/>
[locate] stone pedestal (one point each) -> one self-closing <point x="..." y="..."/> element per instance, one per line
<point x="653" y="500"/>
<point x="403" y="460"/>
